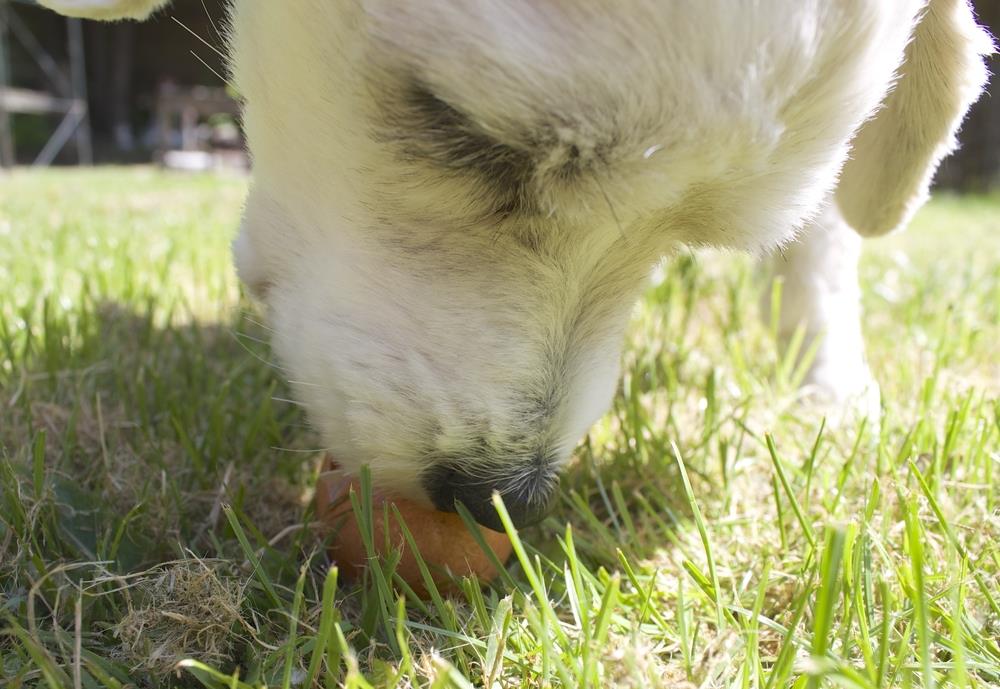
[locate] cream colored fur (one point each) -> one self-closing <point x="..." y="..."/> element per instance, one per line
<point x="895" y="154"/>
<point x="821" y="296"/>
<point x="105" y="9"/>
<point x="456" y="203"/>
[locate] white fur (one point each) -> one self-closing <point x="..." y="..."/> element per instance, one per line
<point x="429" y="326"/>
<point x="105" y="9"/>
<point x="896" y="153"/>
<point x="821" y="296"/>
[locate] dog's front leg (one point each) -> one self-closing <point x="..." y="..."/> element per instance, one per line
<point x="820" y="295"/>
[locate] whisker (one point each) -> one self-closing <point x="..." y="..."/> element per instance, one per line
<point x="302" y="382"/>
<point x="211" y="69"/>
<point x="195" y="34"/>
<point x="611" y="207"/>
<point x="255" y="355"/>
<point x="245" y="315"/>
<point x="290" y="401"/>
<point x="211" y="21"/>
<point x="251" y="338"/>
<point x="300" y="451"/>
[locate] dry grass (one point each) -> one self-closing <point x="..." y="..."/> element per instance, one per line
<point x="179" y="610"/>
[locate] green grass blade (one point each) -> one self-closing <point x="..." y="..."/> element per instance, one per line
<point x="703" y="534"/>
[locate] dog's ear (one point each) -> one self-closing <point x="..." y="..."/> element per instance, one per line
<point x="105" y="9"/>
<point x="896" y="153"/>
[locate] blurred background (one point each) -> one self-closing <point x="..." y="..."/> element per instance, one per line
<point x="79" y="92"/>
<point x="83" y="92"/>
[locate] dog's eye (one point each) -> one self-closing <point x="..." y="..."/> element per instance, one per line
<point x="425" y="129"/>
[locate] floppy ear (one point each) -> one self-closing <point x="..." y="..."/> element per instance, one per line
<point x="105" y="9"/>
<point x="896" y="153"/>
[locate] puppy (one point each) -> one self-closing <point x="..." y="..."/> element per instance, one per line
<point x="456" y="203"/>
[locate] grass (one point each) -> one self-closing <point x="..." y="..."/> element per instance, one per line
<point x="712" y="532"/>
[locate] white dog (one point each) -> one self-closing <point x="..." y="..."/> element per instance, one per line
<point x="456" y="202"/>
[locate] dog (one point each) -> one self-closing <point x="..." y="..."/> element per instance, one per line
<point x="455" y="203"/>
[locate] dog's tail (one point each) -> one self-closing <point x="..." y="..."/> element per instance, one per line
<point x="896" y="153"/>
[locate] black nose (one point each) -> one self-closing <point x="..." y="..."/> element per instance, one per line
<point x="526" y="494"/>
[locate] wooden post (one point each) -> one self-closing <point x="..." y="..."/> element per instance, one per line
<point x="78" y="91"/>
<point x="6" y="136"/>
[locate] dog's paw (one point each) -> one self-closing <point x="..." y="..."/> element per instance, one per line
<point x="844" y="392"/>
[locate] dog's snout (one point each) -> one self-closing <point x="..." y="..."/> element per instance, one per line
<point x="526" y="493"/>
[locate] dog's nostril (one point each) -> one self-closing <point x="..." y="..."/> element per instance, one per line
<point x="526" y="495"/>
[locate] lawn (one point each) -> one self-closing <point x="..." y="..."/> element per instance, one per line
<point x="712" y="531"/>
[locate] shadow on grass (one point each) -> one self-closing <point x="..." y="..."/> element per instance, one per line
<point x="124" y="434"/>
<point x="142" y="430"/>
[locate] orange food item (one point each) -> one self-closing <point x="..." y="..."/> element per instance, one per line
<point x="442" y="537"/>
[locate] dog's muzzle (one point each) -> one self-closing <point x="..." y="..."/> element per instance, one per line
<point x="526" y="494"/>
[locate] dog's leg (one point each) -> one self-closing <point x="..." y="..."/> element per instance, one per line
<point x="105" y="9"/>
<point x="820" y="295"/>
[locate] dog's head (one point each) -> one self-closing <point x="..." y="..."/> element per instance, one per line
<point x="442" y="248"/>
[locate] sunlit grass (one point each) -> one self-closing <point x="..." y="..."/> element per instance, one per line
<point x="712" y="531"/>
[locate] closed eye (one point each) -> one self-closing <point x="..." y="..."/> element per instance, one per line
<point x="427" y="130"/>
